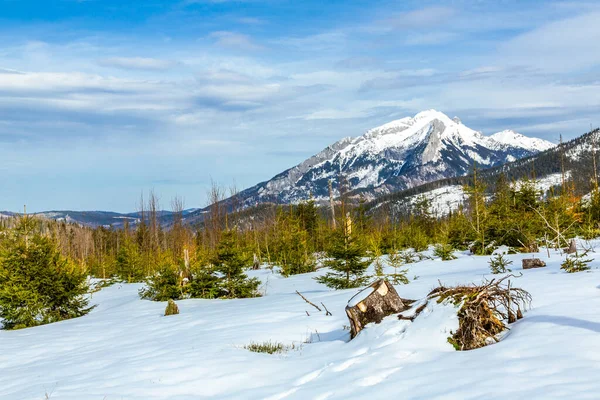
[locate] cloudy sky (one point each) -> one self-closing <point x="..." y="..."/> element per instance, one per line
<point x="103" y="99"/>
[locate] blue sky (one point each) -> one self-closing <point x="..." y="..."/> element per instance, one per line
<point x="103" y="99"/>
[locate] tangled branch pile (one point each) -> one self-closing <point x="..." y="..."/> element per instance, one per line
<point x="484" y="310"/>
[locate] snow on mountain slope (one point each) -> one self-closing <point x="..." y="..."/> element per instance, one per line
<point x="446" y="199"/>
<point x="125" y="349"/>
<point x="396" y="156"/>
<point x="514" y="139"/>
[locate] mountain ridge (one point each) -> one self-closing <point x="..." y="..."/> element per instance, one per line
<point x="395" y="156"/>
<point x="392" y="157"/>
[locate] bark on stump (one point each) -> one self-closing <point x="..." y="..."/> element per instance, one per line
<point x="529" y="263"/>
<point x="372" y="304"/>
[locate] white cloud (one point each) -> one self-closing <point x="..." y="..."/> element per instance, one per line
<point x="235" y="40"/>
<point x="145" y="63"/>
<point x="430" y="17"/>
<point x="430" y="38"/>
<point x="332" y="40"/>
<point x="567" y="45"/>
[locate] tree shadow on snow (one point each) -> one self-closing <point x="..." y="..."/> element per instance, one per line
<point x="565" y="321"/>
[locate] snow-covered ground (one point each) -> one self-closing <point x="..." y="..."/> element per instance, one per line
<point x="442" y="200"/>
<point x="126" y="348"/>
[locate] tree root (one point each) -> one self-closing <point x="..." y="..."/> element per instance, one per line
<point x="483" y="310"/>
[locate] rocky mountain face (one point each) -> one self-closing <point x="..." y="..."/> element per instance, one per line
<point x="396" y="156"/>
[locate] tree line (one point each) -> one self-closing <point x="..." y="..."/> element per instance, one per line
<point x="211" y="259"/>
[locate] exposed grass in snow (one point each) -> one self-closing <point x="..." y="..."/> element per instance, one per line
<point x="269" y="347"/>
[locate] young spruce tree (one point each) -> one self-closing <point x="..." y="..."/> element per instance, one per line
<point x="346" y="257"/>
<point x="230" y="262"/>
<point x="37" y="284"/>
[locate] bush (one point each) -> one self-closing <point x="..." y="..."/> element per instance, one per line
<point x="576" y="263"/>
<point x="164" y="285"/>
<point x="409" y="256"/>
<point x="444" y="251"/>
<point x="205" y="284"/>
<point x="224" y="277"/>
<point x="37" y="284"/>
<point x="413" y="236"/>
<point x="477" y="248"/>
<point x="498" y="264"/>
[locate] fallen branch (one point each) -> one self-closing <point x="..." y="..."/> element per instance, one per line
<point x="326" y="310"/>
<point x="416" y="313"/>
<point x="308" y="301"/>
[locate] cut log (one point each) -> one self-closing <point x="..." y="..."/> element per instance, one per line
<point x="572" y="247"/>
<point x="372" y="304"/>
<point x="529" y="263"/>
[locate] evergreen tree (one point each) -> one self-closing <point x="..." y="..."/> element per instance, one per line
<point x="164" y="284"/>
<point x="478" y="213"/>
<point x="37" y="284"/>
<point x="293" y="250"/>
<point x="231" y="263"/>
<point x="129" y="262"/>
<point x="205" y="284"/>
<point x="346" y="258"/>
<point x="576" y="263"/>
<point x="498" y="264"/>
<point x="399" y="276"/>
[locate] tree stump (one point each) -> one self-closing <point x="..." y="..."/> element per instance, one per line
<point x="172" y="308"/>
<point x="572" y="247"/>
<point x="372" y="304"/>
<point x="255" y="262"/>
<point x="529" y="263"/>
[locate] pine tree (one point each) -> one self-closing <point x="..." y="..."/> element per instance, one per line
<point x="205" y="284"/>
<point x="164" y="284"/>
<point x="292" y="248"/>
<point x="576" y="263"/>
<point x="346" y="258"/>
<point x="399" y="276"/>
<point x="478" y="213"/>
<point x="231" y="263"/>
<point x="498" y="264"/>
<point x="37" y="284"/>
<point x="129" y="262"/>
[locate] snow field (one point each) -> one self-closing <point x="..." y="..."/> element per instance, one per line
<point x="127" y="349"/>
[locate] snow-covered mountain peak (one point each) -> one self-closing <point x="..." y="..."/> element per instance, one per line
<point x="515" y="139"/>
<point x="420" y="119"/>
<point x="394" y="156"/>
<point x="430" y="115"/>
